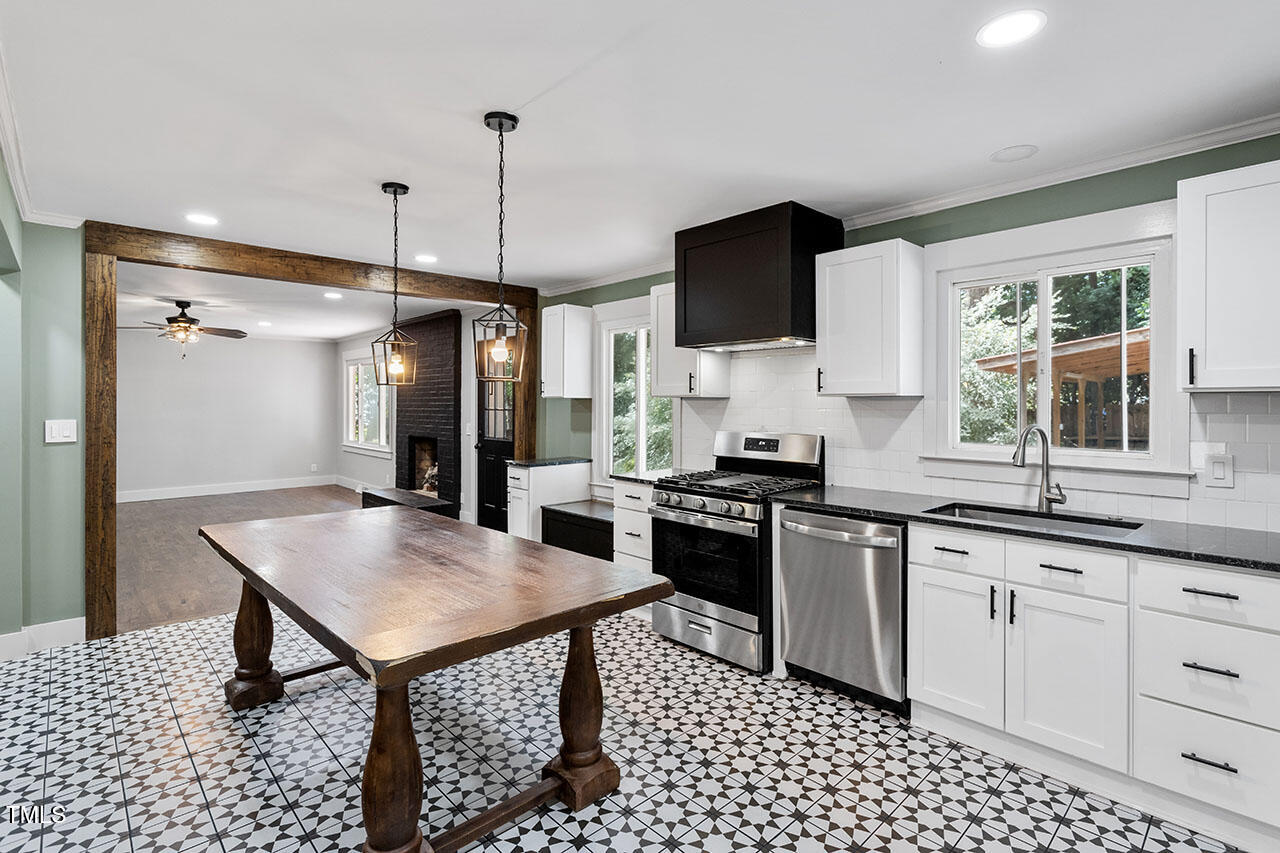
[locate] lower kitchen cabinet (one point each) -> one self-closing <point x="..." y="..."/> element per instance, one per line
<point x="1067" y="674"/>
<point x="955" y="643"/>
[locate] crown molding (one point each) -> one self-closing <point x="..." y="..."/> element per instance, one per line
<point x="612" y="278"/>
<point x="1242" y="132"/>
<point x="12" y="150"/>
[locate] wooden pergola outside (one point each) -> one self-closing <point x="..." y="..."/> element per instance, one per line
<point x="1081" y="362"/>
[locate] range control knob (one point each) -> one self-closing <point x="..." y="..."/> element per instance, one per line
<point x="726" y="507"/>
<point x="739" y="509"/>
<point x="664" y="498"/>
<point x="677" y="500"/>
<point x="699" y="503"/>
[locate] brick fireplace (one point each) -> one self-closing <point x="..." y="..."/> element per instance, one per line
<point x="429" y="412"/>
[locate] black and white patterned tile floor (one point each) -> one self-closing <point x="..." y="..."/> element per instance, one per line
<point x="130" y="742"/>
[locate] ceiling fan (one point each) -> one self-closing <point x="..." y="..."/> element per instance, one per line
<point x="185" y="329"/>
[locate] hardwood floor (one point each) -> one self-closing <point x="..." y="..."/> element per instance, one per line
<point x="166" y="574"/>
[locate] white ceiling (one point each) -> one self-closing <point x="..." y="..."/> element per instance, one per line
<point x="637" y="118"/>
<point x="295" y="311"/>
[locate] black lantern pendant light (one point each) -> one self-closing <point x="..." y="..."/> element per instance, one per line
<point x="499" y="335"/>
<point x="395" y="354"/>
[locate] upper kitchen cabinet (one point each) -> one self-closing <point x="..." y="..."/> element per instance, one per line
<point x="869" y="323"/>
<point x="676" y="371"/>
<point x="1227" y="273"/>
<point x="566" y="351"/>
<point x="746" y="282"/>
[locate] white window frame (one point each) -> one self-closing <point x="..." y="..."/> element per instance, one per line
<point x="1039" y="252"/>
<point x="610" y="317"/>
<point x="360" y="358"/>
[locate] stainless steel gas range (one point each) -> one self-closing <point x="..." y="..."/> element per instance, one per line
<point x="711" y="537"/>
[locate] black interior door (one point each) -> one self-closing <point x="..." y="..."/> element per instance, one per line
<point x="495" y="444"/>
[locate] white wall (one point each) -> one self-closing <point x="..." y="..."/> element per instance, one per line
<point x="233" y="416"/>
<point x="359" y="468"/>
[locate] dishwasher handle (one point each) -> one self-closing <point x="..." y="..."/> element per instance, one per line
<point x="842" y="536"/>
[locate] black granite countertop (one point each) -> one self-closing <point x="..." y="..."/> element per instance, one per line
<point x="597" y="510"/>
<point x="1201" y="543"/>
<point x="550" y="460"/>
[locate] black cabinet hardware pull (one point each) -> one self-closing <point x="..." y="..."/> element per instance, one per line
<point x="1191" y="366"/>
<point x="1067" y="569"/>
<point x="633" y="497"/>
<point x="1012" y="597"/>
<point x="1220" y="765"/>
<point x="631" y="533"/>
<point x="1190" y="664"/>
<point x="819" y="380"/>
<point x="690" y="383"/>
<point x="947" y="550"/>
<point x="993" y="602"/>
<point x="1229" y="596"/>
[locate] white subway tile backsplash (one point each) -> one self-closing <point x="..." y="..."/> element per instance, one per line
<point x="876" y="443"/>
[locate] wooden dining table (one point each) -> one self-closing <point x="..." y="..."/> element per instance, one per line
<point x="394" y="593"/>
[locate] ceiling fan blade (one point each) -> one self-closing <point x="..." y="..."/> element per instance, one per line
<point x="139" y="328"/>
<point x="222" y="333"/>
<point x="159" y="325"/>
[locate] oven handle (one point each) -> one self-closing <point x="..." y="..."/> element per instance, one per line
<point x="841" y="536"/>
<point x="723" y="525"/>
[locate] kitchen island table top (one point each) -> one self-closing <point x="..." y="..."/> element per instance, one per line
<point x="395" y="593"/>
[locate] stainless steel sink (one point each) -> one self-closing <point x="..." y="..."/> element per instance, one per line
<point x="1029" y="518"/>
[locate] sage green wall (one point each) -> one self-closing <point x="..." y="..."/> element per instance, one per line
<point x="564" y="426"/>
<point x="52" y="387"/>
<point x="1124" y="188"/>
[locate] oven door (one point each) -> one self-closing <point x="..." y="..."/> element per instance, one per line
<point x="714" y="564"/>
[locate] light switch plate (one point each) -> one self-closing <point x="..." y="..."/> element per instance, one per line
<point x="1219" y="470"/>
<point x="60" y="432"/>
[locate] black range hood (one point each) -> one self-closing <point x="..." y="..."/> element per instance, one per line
<point x="747" y="282"/>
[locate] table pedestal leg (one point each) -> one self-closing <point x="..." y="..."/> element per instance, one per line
<point x="391" y="794"/>
<point x="256" y="682"/>
<point x="586" y="773"/>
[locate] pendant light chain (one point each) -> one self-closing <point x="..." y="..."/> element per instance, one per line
<point x="395" y="260"/>
<point x="502" y="214"/>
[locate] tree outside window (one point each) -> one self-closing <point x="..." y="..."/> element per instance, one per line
<point x="641" y="426"/>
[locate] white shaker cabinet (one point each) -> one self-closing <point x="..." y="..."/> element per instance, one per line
<point x="870" y="322"/>
<point x="1229" y="279"/>
<point x="1067" y="663"/>
<point x="955" y="643"/>
<point x="566" y="351"/>
<point x="531" y="486"/>
<point x="679" y="371"/>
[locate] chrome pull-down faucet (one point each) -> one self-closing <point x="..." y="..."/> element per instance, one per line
<point x="1049" y="495"/>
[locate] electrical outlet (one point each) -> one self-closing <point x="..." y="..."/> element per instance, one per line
<point x="314" y="467"/>
<point x="386" y="479"/>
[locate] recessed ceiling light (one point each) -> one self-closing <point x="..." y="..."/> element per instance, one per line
<point x="425" y="259"/>
<point x="330" y="294"/>
<point x="202" y="219"/>
<point x="1014" y="153"/>
<point x="1011" y="28"/>
<point x="264" y="323"/>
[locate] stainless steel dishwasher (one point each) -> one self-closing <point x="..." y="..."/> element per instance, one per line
<point x="841" y="582"/>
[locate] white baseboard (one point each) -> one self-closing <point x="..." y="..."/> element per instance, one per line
<point x="644" y="611"/>
<point x="1235" y="829"/>
<point x="466" y="517"/>
<point x="45" y="635"/>
<point x="134" y="495"/>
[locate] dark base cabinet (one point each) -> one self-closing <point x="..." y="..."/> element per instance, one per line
<point x="585" y="527"/>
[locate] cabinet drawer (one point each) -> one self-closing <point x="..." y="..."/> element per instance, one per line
<point x="631" y="561"/>
<point x="633" y="533"/>
<point x="1223" y="596"/>
<point x="635" y="496"/>
<point x="1165" y="734"/>
<point x="1246" y="685"/>
<point x="517" y="478"/>
<point x="1092" y="573"/>
<point x="948" y="548"/>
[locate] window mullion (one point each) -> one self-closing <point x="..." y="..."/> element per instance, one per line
<point x="642" y="403"/>
<point x="1044" y="354"/>
<point x="1124" y="359"/>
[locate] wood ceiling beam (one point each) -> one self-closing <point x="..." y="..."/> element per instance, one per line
<point x="163" y="248"/>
